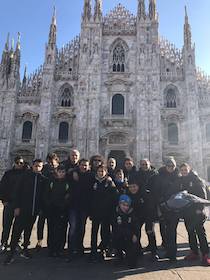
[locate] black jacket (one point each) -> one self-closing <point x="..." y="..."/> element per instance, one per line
<point x="193" y="184"/>
<point x="130" y="175"/>
<point x="81" y="190"/>
<point x="9" y="184"/>
<point x="30" y="193"/>
<point x="58" y="195"/>
<point x="145" y="179"/>
<point x="166" y="184"/>
<point x="103" y="198"/>
<point x="124" y="225"/>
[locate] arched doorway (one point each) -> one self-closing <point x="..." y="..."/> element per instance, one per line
<point x="119" y="155"/>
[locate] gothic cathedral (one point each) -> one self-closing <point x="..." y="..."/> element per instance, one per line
<point x="117" y="89"/>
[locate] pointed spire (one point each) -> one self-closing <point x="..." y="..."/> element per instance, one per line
<point x="87" y="10"/>
<point x="18" y="42"/>
<point x="7" y="42"/>
<point x="24" y="77"/>
<point x="53" y="30"/>
<point x="54" y="16"/>
<point x="152" y="9"/>
<point x="98" y="10"/>
<point x="187" y="32"/>
<point x="141" y="9"/>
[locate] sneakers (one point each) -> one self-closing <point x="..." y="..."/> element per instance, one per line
<point x="9" y="259"/>
<point x="192" y="256"/>
<point x="3" y="248"/>
<point x="25" y="254"/>
<point x="206" y="260"/>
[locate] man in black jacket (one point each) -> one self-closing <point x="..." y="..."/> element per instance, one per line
<point x="72" y="162"/>
<point x="8" y="188"/>
<point x="27" y="203"/>
<point x="145" y="178"/>
<point x="80" y="181"/>
<point x="129" y="170"/>
<point x="166" y="185"/>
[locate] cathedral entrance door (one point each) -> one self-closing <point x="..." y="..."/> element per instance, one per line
<point x="119" y="156"/>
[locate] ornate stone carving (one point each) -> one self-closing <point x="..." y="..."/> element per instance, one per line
<point x="119" y="22"/>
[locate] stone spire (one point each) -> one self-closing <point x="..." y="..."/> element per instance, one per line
<point x="17" y="51"/>
<point x="152" y="9"/>
<point x="87" y="10"/>
<point x="187" y="32"/>
<point x="141" y="9"/>
<point x="98" y="10"/>
<point x="53" y="31"/>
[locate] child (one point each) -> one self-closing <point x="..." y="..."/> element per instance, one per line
<point x="140" y="203"/>
<point x="125" y="231"/>
<point x="57" y="198"/>
<point x="29" y="200"/>
<point x="103" y="202"/>
<point x="120" y="181"/>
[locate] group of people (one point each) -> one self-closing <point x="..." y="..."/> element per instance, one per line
<point x="117" y="201"/>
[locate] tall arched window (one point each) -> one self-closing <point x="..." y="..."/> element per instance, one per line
<point x="118" y="105"/>
<point x="63" y="132"/>
<point x="27" y="131"/>
<point x="66" y="97"/>
<point x="173" y="137"/>
<point x="208" y="132"/>
<point x="119" y="58"/>
<point x="171" y="101"/>
<point x="208" y="173"/>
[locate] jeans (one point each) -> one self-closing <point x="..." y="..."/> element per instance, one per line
<point x="8" y="217"/>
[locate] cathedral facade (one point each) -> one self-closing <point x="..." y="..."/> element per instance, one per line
<point x="117" y="89"/>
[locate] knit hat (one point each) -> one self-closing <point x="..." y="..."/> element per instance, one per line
<point x="171" y="162"/>
<point x="125" y="198"/>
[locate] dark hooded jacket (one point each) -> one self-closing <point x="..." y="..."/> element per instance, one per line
<point x="9" y="184"/>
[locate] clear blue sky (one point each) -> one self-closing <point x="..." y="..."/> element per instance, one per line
<point x="32" y="19"/>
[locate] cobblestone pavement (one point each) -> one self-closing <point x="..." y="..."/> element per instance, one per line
<point x="41" y="267"/>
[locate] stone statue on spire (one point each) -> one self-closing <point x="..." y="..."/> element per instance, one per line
<point x="87" y="10"/>
<point x="141" y="9"/>
<point x="98" y="10"/>
<point x="152" y="9"/>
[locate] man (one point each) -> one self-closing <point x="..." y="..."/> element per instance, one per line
<point x="167" y="184"/>
<point x="80" y="181"/>
<point x="27" y="204"/>
<point x="49" y="172"/>
<point x="145" y="178"/>
<point x="73" y="161"/>
<point x="8" y="188"/>
<point x="111" y="166"/>
<point x="129" y="170"/>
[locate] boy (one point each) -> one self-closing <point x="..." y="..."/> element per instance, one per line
<point x="125" y="231"/>
<point x="120" y="181"/>
<point x="57" y="201"/>
<point x="8" y="188"/>
<point x="103" y="202"/>
<point x="28" y="203"/>
<point x="140" y="203"/>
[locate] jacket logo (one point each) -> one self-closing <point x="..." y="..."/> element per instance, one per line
<point x="95" y="186"/>
<point x="129" y="220"/>
<point x="119" y="220"/>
